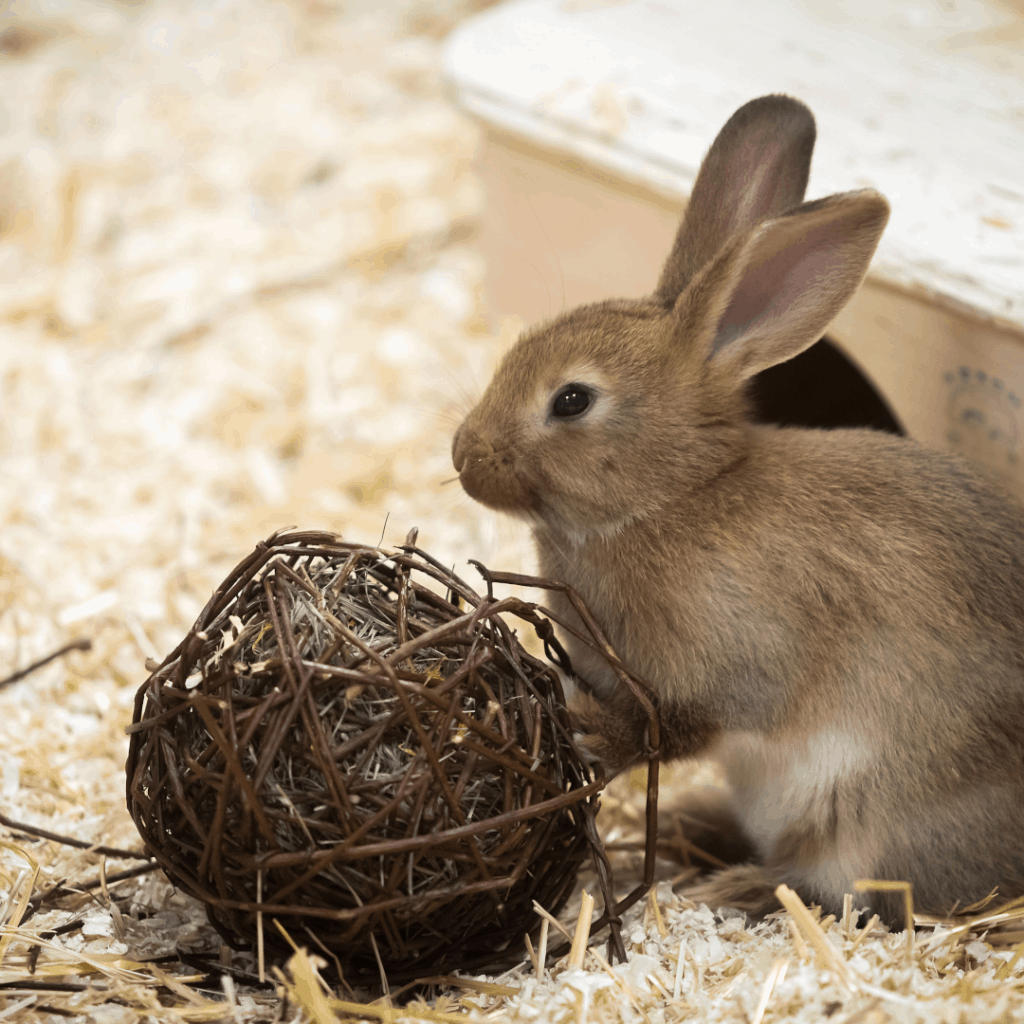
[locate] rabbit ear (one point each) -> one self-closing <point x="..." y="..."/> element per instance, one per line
<point x="771" y="294"/>
<point x="756" y="168"/>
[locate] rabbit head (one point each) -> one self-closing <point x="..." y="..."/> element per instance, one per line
<point x="613" y="412"/>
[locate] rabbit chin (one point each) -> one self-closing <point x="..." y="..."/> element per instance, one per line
<point x="563" y="520"/>
<point x="577" y="530"/>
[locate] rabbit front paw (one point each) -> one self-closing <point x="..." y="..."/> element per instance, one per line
<point x="607" y="732"/>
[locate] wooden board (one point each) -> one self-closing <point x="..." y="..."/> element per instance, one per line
<point x="597" y="116"/>
<point x="923" y="103"/>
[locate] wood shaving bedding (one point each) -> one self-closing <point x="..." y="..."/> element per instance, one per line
<point x="238" y="291"/>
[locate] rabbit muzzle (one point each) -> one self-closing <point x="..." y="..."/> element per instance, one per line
<point x="487" y="473"/>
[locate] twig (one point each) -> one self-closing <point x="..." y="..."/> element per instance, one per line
<point x="198" y="962"/>
<point x="75" y="645"/>
<point x="80" y="844"/>
<point x="44" y="986"/>
<point x="541" y="618"/>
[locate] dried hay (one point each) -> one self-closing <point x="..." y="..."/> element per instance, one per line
<point x="237" y="288"/>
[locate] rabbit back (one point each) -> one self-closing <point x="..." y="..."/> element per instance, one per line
<point x="857" y="666"/>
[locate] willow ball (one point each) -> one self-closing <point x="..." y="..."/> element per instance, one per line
<point x="354" y="743"/>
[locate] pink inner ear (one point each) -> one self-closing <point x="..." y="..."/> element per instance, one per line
<point x="759" y="183"/>
<point x="779" y="281"/>
<point x="767" y="186"/>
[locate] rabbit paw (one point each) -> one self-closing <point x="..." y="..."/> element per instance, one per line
<point x="608" y="732"/>
<point x="699" y="825"/>
<point x="746" y="887"/>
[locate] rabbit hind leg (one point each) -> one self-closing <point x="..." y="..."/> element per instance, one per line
<point x="700" y="827"/>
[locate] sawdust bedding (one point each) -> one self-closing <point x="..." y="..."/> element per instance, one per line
<point x="237" y="292"/>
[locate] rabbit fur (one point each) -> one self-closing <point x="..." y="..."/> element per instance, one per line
<point x="836" y="616"/>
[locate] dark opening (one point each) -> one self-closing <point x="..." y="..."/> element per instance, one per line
<point x="821" y="387"/>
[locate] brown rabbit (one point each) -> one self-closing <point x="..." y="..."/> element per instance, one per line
<point x="837" y="616"/>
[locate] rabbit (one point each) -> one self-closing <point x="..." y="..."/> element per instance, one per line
<point x="835" y="616"/>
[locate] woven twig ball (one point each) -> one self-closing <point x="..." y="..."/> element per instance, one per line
<point x="354" y="742"/>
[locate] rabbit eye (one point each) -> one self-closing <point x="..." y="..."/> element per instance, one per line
<point x="572" y="400"/>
